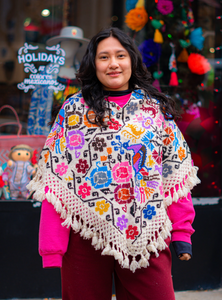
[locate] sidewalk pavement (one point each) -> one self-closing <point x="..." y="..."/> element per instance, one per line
<point x="186" y="295"/>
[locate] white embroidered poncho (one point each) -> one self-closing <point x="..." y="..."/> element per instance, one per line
<point x="114" y="184"/>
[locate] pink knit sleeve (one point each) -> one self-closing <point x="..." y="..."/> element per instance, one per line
<point x="181" y="214"/>
<point x="53" y="237"/>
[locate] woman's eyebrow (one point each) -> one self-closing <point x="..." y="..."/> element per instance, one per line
<point x="107" y="52"/>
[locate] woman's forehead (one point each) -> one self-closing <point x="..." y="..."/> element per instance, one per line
<point x="110" y="44"/>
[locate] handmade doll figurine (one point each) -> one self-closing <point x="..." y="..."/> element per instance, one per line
<point x="20" y="157"/>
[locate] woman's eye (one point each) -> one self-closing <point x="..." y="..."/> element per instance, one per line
<point x="19" y="153"/>
<point x="27" y="153"/>
<point x="103" y="57"/>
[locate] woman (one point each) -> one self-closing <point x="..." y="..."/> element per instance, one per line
<point x="116" y="169"/>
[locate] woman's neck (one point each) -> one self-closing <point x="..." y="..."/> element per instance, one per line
<point x="116" y="93"/>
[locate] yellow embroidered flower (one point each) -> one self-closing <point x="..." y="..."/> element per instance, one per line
<point x="181" y="153"/>
<point x="136" y="18"/>
<point x="73" y="120"/>
<point x="102" y="206"/>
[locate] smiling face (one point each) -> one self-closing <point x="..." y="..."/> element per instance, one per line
<point x="113" y="65"/>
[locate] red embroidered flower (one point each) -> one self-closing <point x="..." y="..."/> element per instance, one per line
<point x="131" y="232"/>
<point x="124" y="193"/>
<point x="114" y="125"/>
<point x="82" y="166"/>
<point x="157" y="157"/>
<point x="84" y="190"/>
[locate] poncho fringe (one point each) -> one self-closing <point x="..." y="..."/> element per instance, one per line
<point x="91" y="229"/>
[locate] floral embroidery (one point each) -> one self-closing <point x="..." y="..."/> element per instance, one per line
<point x="73" y="120"/>
<point x="99" y="144"/>
<point x="149" y="212"/>
<point x="61" y="169"/>
<point x="131" y="232"/>
<point x="75" y="140"/>
<point x="157" y="157"/>
<point x="91" y="116"/>
<point x="170" y="136"/>
<point x="124" y="193"/>
<point x="181" y="153"/>
<point x="100" y="177"/>
<point x="82" y="166"/>
<point x="114" y="124"/>
<point x="147" y="122"/>
<point x="131" y="108"/>
<point x="102" y="206"/>
<point x="147" y="140"/>
<point x="122" y="172"/>
<point x="122" y="222"/>
<point x="84" y="190"/>
<point x="167" y="169"/>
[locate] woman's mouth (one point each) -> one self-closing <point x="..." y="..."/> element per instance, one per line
<point x="114" y="74"/>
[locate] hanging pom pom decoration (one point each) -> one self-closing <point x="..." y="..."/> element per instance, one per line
<point x="150" y="51"/>
<point x="157" y="75"/>
<point x="158" y="38"/>
<point x="183" y="57"/>
<point x="190" y="16"/>
<point x="136" y="18"/>
<point x="165" y="7"/>
<point x="198" y="64"/>
<point x="173" y="67"/>
<point x="130" y="4"/>
<point x="196" y="38"/>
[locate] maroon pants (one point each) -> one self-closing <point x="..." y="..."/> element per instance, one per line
<point x="87" y="275"/>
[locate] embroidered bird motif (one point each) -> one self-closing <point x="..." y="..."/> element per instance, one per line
<point x="139" y="155"/>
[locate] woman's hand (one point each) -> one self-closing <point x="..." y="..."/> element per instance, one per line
<point x="185" y="256"/>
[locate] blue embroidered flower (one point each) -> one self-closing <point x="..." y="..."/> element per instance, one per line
<point x="137" y="94"/>
<point x="118" y="145"/>
<point x="131" y="108"/>
<point x="167" y="169"/>
<point x="147" y="140"/>
<point x="100" y="177"/>
<point x="122" y="222"/>
<point x="149" y="212"/>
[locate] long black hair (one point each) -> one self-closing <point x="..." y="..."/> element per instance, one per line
<point x="92" y="89"/>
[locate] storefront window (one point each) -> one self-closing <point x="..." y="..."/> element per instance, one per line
<point x="180" y="42"/>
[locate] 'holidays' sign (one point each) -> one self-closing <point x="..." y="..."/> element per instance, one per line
<point x="43" y="74"/>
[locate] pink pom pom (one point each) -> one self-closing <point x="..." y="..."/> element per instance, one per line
<point x="173" y="79"/>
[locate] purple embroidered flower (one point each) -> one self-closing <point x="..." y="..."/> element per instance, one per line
<point x="122" y="222"/>
<point x="75" y="140"/>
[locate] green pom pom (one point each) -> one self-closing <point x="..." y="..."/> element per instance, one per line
<point x="157" y="74"/>
<point x="184" y="44"/>
<point x="157" y="24"/>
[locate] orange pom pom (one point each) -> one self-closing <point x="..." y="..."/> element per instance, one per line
<point x="183" y="57"/>
<point x="136" y="18"/>
<point x="198" y="64"/>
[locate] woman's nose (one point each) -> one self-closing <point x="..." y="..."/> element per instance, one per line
<point x="113" y="63"/>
